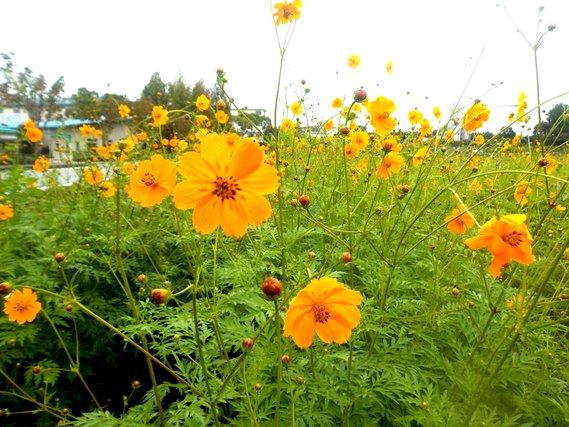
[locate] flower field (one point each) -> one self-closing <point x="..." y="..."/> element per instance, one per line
<point x="374" y="267"/>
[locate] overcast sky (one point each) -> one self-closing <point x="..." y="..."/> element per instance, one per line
<point x="114" y="46"/>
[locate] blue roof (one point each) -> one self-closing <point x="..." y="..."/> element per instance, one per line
<point x="55" y="124"/>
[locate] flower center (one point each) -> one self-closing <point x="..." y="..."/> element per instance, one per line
<point x="20" y="306"/>
<point x="382" y="116"/>
<point x="225" y="188"/>
<point x="148" y="179"/>
<point x="321" y="315"/>
<point x="513" y="239"/>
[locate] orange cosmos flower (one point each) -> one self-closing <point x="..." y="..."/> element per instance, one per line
<point x="93" y="175"/>
<point x="360" y="139"/>
<point x="33" y="133"/>
<point x="41" y="164"/>
<point x="521" y="193"/>
<point x="379" y="111"/>
<point x="152" y="181"/>
<point x="287" y="12"/>
<point x="354" y="61"/>
<point x="325" y="307"/>
<point x="475" y="116"/>
<point x="226" y="188"/>
<point x="22" y="306"/>
<point x="507" y="238"/>
<point x="159" y="116"/>
<point x="6" y="212"/>
<point x="124" y="110"/>
<point x="459" y="220"/>
<point x="390" y="164"/>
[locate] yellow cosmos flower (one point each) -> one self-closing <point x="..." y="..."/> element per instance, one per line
<point x="325" y="307"/>
<point x="549" y="163"/>
<point x="522" y="105"/>
<point x="420" y="155"/>
<point x="379" y="111"/>
<point x="226" y="189"/>
<point x="390" y="164"/>
<point x="354" y="61"/>
<point x="222" y="117"/>
<point x="437" y="113"/>
<point x="124" y="110"/>
<point x="87" y="131"/>
<point x="296" y="108"/>
<point x="475" y="186"/>
<point x="203" y="103"/>
<point x="414" y="117"/>
<point x="286" y="12"/>
<point x="360" y="139"/>
<point x="329" y="125"/>
<point x="107" y="189"/>
<point x="288" y="126"/>
<point x="337" y="103"/>
<point x="159" y="116"/>
<point x="507" y="238"/>
<point x="475" y="117"/>
<point x="6" y="212"/>
<point x="479" y="139"/>
<point x="22" y="306"/>
<point x="389" y="67"/>
<point x="152" y="181"/>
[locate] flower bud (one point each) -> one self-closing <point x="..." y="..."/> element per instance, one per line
<point x="346" y="257"/>
<point x="272" y="287"/>
<point x="36" y="370"/>
<point x="344" y="130"/>
<point x="304" y="200"/>
<point x="221" y="104"/>
<point x="285" y="359"/>
<point x="455" y="291"/>
<point x="141" y="278"/>
<point x="159" y="295"/>
<point x="69" y="308"/>
<point x="5" y="288"/>
<point x="360" y="94"/>
<point x="258" y="387"/>
<point x="248" y="343"/>
<point x="59" y="257"/>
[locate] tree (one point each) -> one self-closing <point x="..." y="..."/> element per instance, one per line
<point x="155" y="91"/>
<point x="246" y="120"/>
<point x="29" y="91"/>
<point x="179" y="94"/>
<point x="84" y="105"/>
<point x="556" y="126"/>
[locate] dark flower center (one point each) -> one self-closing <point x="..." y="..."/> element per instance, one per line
<point x="321" y="315"/>
<point x="148" y="179"/>
<point x="225" y="188"/>
<point x="513" y="239"/>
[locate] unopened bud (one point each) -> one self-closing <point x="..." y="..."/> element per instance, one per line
<point x="272" y="287"/>
<point x="159" y="295"/>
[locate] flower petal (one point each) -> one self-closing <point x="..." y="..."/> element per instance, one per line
<point x="246" y="159"/>
<point x="264" y="180"/>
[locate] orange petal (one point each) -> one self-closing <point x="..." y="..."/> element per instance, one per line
<point x="187" y="194"/>
<point x="263" y="181"/>
<point x="258" y="209"/>
<point x="300" y="326"/>
<point x="215" y="154"/>
<point x="207" y="214"/>
<point x="233" y="219"/>
<point x="247" y="158"/>
<point x="333" y="331"/>
<point x="192" y="165"/>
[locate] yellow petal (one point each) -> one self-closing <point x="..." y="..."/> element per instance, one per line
<point x="207" y="214"/>
<point x="247" y="158"/>
<point x="264" y="180"/>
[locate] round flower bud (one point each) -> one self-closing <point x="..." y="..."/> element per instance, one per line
<point x="360" y="94"/>
<point x="344" y="130"/>
<point x="455" y="291"/>
<point x="304" y="200"/>
<point x="5" y="288"/>
<point x="346" y="257"/>
<point x="258" y="387"/>
<point x="69" y="308"/>
<point x="248" y="343"/>
<point x="36" y="370"/>
<point x="141" y="278"/>
<point x="272" y="287"/>
<point x="221" y="104"/>
<point x="285" y="359"/>
<point x="135" y="384"/>
<point x="159" y="295"/>
<point x="59" y="257"/>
